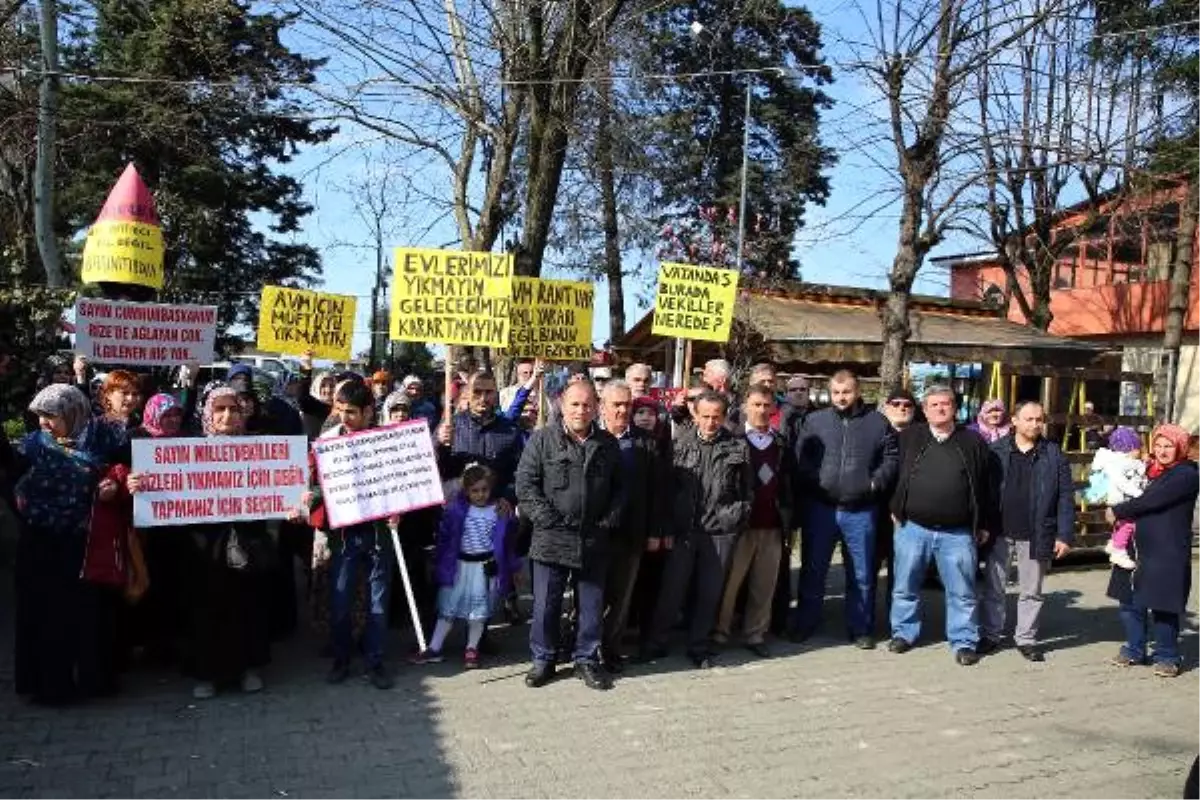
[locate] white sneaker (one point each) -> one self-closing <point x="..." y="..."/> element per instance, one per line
<point x="1121" y="559"/>
<point x="204" y="690"/>
<point x="252" y="682"/>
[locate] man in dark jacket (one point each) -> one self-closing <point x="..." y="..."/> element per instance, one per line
<point x="1037" y="522"/>
<point x="712" y="485"/>
<point x="643" y="479"/>
<point x="796" y="406"/>
<point x="846" y="461"/>
<point x="942" y="508"/>
<point x="568" y="486"/>
<point x="481" y="434"/>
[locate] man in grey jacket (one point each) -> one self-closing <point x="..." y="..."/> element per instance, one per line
<point x="846" y="462"/>
<point x="568" y="487"/>
<point x="713" y="486"/>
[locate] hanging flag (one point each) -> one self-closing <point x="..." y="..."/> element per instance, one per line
<point x="125" y="244"/>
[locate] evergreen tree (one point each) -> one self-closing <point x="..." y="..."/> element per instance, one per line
<point x="204" y="109"/>
<point x="696" y="125"/>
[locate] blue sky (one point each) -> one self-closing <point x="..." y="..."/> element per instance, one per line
<point x="838" y="246"/>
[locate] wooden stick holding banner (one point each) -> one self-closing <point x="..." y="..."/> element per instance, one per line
<point x="687" y="365"/>
<point x="541" y="401"/>
<point x="408" y="590"/>
<point x="448" y="411"/>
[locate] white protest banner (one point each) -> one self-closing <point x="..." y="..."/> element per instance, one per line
<point x="144" y="334"/>
<point x="218" y="479"/>
<point x="377" y="473"/>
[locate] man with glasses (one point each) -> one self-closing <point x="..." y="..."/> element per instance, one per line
<point x="900" y="408"/>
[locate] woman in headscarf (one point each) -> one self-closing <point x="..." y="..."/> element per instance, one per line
<point x="158" y="620"/>
<point x="992" y="423"/>
<point x="58" y="368"/>
<point x="224" y="564"/>
<point x="315" y="396"/>
<point x="64" y="628"/>
<point x="1160" y="585"/>
<point x="282" y="412"/>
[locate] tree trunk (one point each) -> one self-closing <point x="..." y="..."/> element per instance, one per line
<point x="896" y="330"/>
<point x="1179" y="288"/>
<point x="43" y="184"/>
<point x="608" y="194"/>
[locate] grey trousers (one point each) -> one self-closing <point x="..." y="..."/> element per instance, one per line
<point x="1030" y="574"/>
<point x="755" y="560"/>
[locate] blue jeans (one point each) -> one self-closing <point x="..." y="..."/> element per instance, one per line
<point x="1166" y="634"/>
<point x="549" y="583"/>
<point x="824" y="527"/>
<point x="956" y="557"/>
<point x="359" y="544"/>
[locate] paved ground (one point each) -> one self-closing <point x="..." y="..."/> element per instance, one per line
<point x="824" y="720"/>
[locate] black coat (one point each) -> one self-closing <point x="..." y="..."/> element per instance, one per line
<point x="712" y="484"/>
<point x="1053" y="497"/>
<point x="1163" y="542"/>
<point x="571" y="492"/>
<point x="978" y="459"/>
<point x="646" y="490"/>
<point x="845" y="458"/>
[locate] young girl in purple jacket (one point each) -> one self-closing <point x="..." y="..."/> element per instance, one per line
<point x="473" y="565"/>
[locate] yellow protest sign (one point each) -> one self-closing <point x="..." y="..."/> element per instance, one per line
<point x="296" y="320"/>
<point x="125" y="245"/>
<point x="694" y="302"/>
<point x="451" y="297"/>
<point x="551" y="319"/>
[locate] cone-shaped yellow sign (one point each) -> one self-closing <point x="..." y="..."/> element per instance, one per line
<point x="125" y="245"/>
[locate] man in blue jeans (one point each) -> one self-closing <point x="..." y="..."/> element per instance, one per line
<point x="943" y="507"/>
<point x="845" y="462"/>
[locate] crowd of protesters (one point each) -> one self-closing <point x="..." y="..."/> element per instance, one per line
<point x="648" y="512"/>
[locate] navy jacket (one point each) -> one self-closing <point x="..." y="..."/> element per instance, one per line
<point x="846" y="459"/>
<point x="1052" y="500"/>
<point x="1163" y="542"/>
<point x="496" y="443"/>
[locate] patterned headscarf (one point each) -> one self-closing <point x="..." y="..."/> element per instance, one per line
<point x="1176" y="436"/>
<point x="989" y="433"/>
<point x="207" y="415"/>
<point x="51" y="365"/>
<point x="72" y="406"/>
<point x="156" y="407"/>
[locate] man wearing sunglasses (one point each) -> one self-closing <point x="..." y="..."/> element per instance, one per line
<point x="900" y="408"/>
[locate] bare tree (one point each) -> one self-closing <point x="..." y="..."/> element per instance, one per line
<point x="1059" y="124"/>
<point x="1181" y="268"/>
<point x="921" y="61"/>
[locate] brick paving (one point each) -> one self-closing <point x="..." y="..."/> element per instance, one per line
<point x="822" y="720"/>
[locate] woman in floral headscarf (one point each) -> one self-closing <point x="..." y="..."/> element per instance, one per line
<point x="225" y="594"/>
<point x="64" y="630"/>
<point x="992" y="423"/>
<point x="1158" y="589"/>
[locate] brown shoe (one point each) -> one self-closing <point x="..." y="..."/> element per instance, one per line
<point x="1167" y="670"/>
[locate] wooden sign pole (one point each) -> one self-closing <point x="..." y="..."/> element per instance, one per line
<point x="687" y="364"/>
<point x="448" y="412"/>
